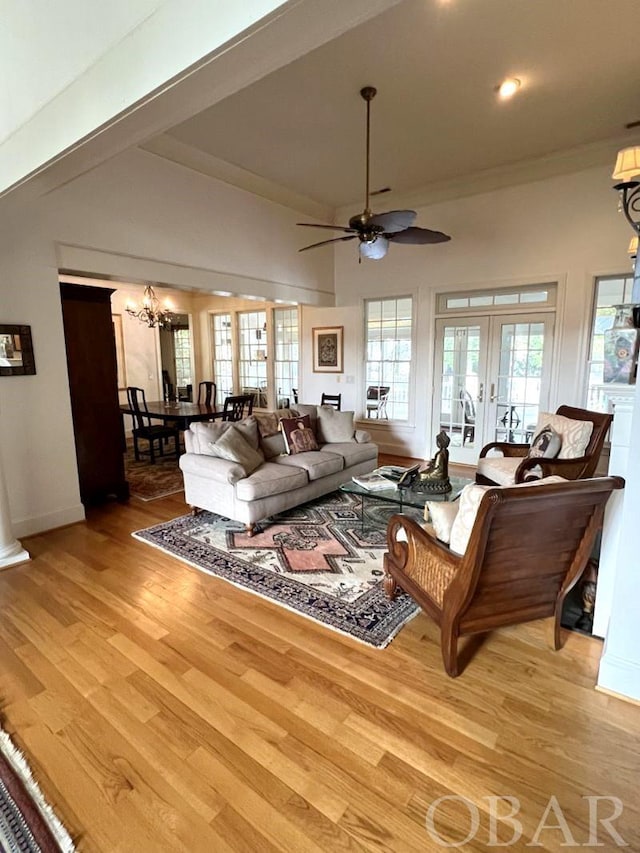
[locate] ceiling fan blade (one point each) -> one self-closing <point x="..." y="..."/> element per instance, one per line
<point x="333" y="227"/>
<point x="419" y="236"/>
<point x="324" y="242"/>
<point x="394" y="220"/>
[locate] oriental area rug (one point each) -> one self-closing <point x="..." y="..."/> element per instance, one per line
<point x="149" y="482"/>
<point x="27" y="822"/>
<point x="318" y="560"/>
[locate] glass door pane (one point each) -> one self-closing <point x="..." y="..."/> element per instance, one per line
<point x="519" y="375"/>
<point x="460" y="370"/>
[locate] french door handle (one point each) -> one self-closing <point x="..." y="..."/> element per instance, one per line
<point x="481" y="393"/>
<point x="493" y="396"/>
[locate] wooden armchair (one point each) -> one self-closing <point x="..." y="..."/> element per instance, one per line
<point x="571" y="469"/>
<point x="528" y="547"/>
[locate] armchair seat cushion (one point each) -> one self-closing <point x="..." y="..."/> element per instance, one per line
<point x="499" y="469"/>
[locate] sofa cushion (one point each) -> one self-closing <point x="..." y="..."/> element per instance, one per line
<point x="317" y="463"/>
<point x="352" y="452"/>
<point x="575" y="434"/>
<point x="234" y="447"/>
<point x="206" y="432"/>
<point x="334" y="426"/>
<point x="298" y="435"/>
<point x="272" y="445"/>
<point x="270" y="479"/>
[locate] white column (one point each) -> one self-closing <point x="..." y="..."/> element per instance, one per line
<point x="11" y="551"/>
<point x="620" y="663"/>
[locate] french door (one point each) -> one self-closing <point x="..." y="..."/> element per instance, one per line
<point x="492" y="378"/>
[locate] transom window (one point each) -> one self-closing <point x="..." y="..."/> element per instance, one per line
<point x="536" y="295"/>
<point x="389" y="340"/>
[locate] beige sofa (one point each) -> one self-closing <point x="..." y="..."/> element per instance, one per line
<point x="281" y="481"/>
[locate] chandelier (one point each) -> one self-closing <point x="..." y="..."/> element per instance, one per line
<point x="151" y="312"/>
<point x="627" y="173"/>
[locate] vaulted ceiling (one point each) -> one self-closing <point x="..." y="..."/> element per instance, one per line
<point x="436" y="117"/>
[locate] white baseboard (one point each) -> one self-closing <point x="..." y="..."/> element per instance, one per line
<point x="40" y="523"/>
<point x="621" y="676"/>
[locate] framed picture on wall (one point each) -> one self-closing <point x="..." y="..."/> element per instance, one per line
<point x="328" y="349"/>
<point x="16" y="351"/>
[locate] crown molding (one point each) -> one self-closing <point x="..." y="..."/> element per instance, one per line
<point x="551" y="165"/>
<point x="172" y="149"/>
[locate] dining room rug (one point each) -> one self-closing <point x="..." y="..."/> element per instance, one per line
<point x="27" y="823"/>
<point x="149" y="482"/>
<point x="319" y="560"/>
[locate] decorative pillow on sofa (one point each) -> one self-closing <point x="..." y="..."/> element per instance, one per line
<point x="207" y="433"/>
<point x="334" y="426"/>
<point x="575" y="434"/>
<point x="234" y="447"/>
<point x="546" y="444"/>
<point x="298" y="435"/>
<point x="442" y="514"/>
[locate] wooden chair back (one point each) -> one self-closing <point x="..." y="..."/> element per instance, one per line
<point x="601" y="422"/>
<point x="331" y="400"/>
<point x="528" y="548"/>
<point x="238" y="407"/>
<point x="207" y="393"/>
<point x="138" y="405"/>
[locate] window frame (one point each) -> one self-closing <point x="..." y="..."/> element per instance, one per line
<point x="366" y="383"/>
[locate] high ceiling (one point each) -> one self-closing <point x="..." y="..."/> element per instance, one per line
<point x="436" y="117"/>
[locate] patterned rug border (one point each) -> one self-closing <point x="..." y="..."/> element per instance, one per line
<point x="406" y="609"/>
<point x="18" y="764"/>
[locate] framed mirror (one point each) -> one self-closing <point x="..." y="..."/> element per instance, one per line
<point x="16" y="351"/>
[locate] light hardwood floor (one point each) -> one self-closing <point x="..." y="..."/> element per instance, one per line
<point x="162" y="709"/>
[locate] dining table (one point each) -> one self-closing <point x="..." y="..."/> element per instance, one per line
<point x="181" y="413"/>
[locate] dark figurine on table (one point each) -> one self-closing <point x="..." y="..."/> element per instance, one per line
<point x="434" y="477"/>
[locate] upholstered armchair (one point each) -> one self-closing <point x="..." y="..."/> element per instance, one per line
<point x="503" y="463"/>
<point x="520" y="550"/>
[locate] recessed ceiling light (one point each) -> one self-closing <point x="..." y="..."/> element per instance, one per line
<point x="508" y="87"/>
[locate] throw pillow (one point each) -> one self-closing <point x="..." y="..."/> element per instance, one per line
<point x="575" y="434"/>
<point x="234" y="447"/>
<point x="208" y="432"/>
<point x="442" y="515"/>
<point x="334" y="426"/>
<point x="298" y="435"/>
<point x="546" y="444"/>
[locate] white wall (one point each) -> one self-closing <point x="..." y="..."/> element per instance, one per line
<point x="80" y="64"/>
<point x="565" y="229"/>
<point x="138" y="218"/>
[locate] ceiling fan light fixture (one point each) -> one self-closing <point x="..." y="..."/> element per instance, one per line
<point x="374" y="249"/>
<point x="508" y="88"/>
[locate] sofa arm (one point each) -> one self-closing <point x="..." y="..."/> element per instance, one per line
<point x="212" y="467"/>
<point x="362" y="436"/>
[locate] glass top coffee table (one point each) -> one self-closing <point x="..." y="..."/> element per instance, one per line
<point x="404" y="498"/>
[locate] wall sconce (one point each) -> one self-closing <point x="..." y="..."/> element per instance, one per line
<point x="627" y="173"/>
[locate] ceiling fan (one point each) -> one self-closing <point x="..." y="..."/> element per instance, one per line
<point x="376" y="230"/>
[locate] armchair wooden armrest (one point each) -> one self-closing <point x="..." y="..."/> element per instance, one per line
<point x="421" y="560"/>
<point x="506" y="448"/>
<point x="570" y="469"/>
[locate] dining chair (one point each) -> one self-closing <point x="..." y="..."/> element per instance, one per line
<point x="377" y="396"/>
<point x="207" y="393"/>
<point x="238" y="407"/>
<point x="143" y="428"/>
<point x="331" y="400"/>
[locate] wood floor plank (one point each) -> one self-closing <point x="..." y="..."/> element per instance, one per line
<point x="163" y="709"/>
